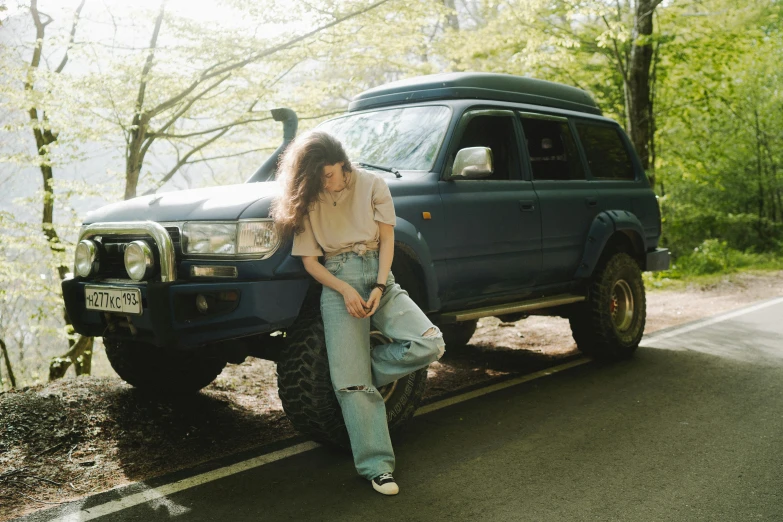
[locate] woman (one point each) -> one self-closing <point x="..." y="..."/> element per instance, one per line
<point x="347" y="216"/>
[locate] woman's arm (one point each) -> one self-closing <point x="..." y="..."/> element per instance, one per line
<point x="353" y="301"/>
<point x="322" y="275"/>
<point x="385" y="258"/>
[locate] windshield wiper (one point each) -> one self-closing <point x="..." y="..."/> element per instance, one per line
<point x="377" y="167"/>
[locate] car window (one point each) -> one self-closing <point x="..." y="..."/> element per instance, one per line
<point x="497" y="133"/>
<point x="606" y="153"/>
<point x="552" y="150"/>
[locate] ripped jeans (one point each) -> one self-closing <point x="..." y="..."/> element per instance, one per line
<point x="357" y="370"/>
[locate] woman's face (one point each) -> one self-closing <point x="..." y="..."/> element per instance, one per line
<point x="334" y="178"/>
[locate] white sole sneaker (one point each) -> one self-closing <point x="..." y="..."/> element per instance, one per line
<point x="388" y="488"/>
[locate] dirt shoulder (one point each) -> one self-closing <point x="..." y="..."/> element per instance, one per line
<point x="76" y="437"/>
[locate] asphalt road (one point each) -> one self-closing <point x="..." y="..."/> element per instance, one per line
<point x="689" y="429"/>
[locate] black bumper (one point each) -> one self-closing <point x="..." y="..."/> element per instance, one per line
<point x="657" y="260"/>
<point x="261" y="307"/>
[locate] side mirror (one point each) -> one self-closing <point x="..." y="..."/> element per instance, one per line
<point x="472" y="163"/>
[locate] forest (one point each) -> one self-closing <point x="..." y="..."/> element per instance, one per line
<point x="102" y="101"/>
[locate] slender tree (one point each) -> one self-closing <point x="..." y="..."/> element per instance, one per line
<point x="153" y="122"/>
<point x="7" y="360"/>
<point x="80" y="351"/>
<point x="637" y="83"/>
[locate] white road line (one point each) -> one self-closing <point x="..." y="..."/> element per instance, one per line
<point x="709" y="321"/>
<point x="500" y="386"/>
<point x="173" y="487"/>
<point x="167" y="489"/>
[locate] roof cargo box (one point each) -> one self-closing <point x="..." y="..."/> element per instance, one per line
<point x="484" y="86"/>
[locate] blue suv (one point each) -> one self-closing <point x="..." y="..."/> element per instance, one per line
<point x="513" y="195"/>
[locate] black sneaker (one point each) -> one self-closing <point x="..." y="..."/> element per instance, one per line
<point x="384" y="483"/>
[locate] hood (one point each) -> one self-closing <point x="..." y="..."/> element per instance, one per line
<point x="206" y="204"/>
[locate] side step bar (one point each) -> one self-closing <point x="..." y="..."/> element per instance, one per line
<point x="510" y="308"/>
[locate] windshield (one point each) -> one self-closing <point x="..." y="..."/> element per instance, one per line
<point x="406" y="138"/>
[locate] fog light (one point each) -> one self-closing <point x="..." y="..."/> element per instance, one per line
<point x="86" y="258"/>
<point x="139" y="262"/>
<point x="201" y="304"/>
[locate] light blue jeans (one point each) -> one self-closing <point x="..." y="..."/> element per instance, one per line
<point x="358" y="370"/>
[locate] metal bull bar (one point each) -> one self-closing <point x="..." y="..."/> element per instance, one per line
<point x="168" y="267"/>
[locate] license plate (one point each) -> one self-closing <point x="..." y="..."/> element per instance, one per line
<point x="113" y="299"/>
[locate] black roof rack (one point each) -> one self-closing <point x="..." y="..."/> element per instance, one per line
<point x="485" y="86"/>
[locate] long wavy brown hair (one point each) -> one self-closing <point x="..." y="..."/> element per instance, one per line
<point x="300" y="174"/>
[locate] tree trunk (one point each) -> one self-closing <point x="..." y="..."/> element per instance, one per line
<point x="651" y="117"/>
<point x="44" y="139"/>
<point x="638" y="92"/>
<point x="451" y="19"/>
<point x="759" y="172"/>
<point x="80" y="355"/>
<point x="141" y="119"/>
<point x="135" y="157"/>
<point x="8" y="368"/>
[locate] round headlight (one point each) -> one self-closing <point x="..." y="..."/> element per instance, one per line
<point x="138" y="260"/>
<point x="86" y="258"/>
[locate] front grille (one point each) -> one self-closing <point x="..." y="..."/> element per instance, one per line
<point x="175" y="239"/>
<point x="112" y="264"/>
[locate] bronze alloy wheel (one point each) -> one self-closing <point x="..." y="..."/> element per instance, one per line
<point x="610" y="323"/>
<point x="621" y="305"/>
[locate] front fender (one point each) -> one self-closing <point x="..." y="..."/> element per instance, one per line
<point x="408" y="238"/>
<point x="604" y="226"/>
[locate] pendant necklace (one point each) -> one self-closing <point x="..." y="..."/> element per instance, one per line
<point x="334" y="201"/>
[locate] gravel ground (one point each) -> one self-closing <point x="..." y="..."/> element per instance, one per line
<point x="79" y="436"/>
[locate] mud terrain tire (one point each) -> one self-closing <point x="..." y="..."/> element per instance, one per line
<point x="305" y="387"/>
<point x="610" y="323"/>
<point x="150" y="368"/>
<point x="458" y="334"/>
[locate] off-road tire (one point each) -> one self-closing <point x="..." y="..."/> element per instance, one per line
<point x="150" y="368"/>
<point x="458" y="334"/>
<point x="595" y="325"/>
<point x="305" y="387"/>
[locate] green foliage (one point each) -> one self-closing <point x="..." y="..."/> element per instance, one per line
<point x="713" y="256"/>
<point x="686" y="226"/>
<point x="720" y="130"/>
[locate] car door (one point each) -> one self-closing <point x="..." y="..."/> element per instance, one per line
<point x="493" y="239"/>
<point x="568" y="201"/>
<point x="616" y="174"/>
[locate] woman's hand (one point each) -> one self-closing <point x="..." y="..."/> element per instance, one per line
<point x="373" y="301"/>
<point x="354" y="302"/>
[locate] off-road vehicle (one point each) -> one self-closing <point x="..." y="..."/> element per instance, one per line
<point x="513" y="196"/>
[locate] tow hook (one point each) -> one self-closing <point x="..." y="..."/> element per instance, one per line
<point x="123" y="321"/>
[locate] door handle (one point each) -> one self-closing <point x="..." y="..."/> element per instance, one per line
<point x="526" y="205"/>
<point x="591" y="202"/>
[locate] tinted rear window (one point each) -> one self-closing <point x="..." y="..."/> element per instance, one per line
<point x="552" y="150"/>
<point x="606" y="153"/>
